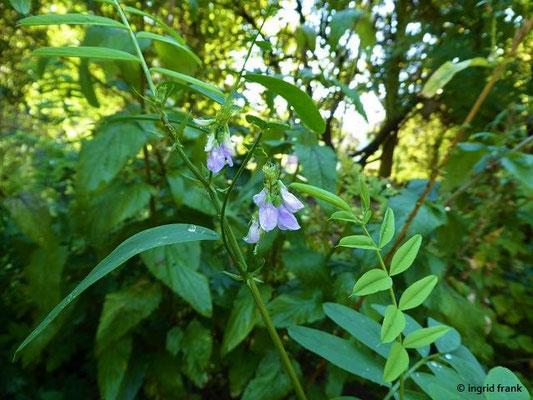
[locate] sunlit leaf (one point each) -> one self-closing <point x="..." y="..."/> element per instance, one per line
<point x="425" y="336"/>
<point x="372" y="281"/>
<point x="172" y="41"/>
<point x="415" y="294"/>
<point x="386" y="232"/>
<point x="405" y="255"/>
<point x="321" y="194"/>
<point x="397" y="362"/>
<point x="85" y="52"/>
<point x="70" y="19"/>
<point x="358" y="242"/>
<point x="186" y="79"/>
<point x="392" y="324"/>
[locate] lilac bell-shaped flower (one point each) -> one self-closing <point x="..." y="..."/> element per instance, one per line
<point x="219" y="153"/>
<point x="254" y="233"/>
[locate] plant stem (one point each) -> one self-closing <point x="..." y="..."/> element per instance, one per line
<point x="231" y="242"/>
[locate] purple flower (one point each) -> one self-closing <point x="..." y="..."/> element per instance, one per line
<point x="286" y="220"/>
<point x="260" y="198"/>
<point x="254" y="232"/>
<point x="218" y="157"/>
<point x="268" y="216"/>
<point x="290" y="201"/>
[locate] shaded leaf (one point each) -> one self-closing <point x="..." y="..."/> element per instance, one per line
<point x="197" y="347"/>
<point x="22" y="6"/>
<point x="294" y="309"/>
<point x="318" y="165"/>
<point x="510" y="382"/>
<point x="166" y="39"/>
<point x="112" y="367"/>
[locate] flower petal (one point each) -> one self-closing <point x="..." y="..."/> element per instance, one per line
<point x="216" y="160"/>
<point x="287" y="221"/>
<point x="268" y="216"/>
<point x="290" y="201"/>
<point x="260" y="198"/>
<point x="254" y="233"/>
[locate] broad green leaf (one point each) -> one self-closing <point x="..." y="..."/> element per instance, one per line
<point x="318" y="165"/>
<point x="321" y="194"/>
<point x="295" y="309"/>
<point x="392" y="324"/>
<point x="244" y="315"/>
<point x="425" y="336"/>
<point x="123" y="310"/>
<point x="363" y="193"/>
<point x="173" y="342"/>
<point x="386" y="232"/>
<point x="270" y="381"/>
<point x="361" y="327"/>
<point x="405" y="255"/>
<point x="112" y="366"/>
<point x="397" y="362"/>
<point x="172" y="41"/>
<point x="442" y="386"/>
<point x="465" y="159"/>
<point x="85" y="52"/>
<point x="507" y="385"/>
<point x="142" y="241"/>
<point x="340" y="352"/>
<point x="242" y="366"/>
<point x="197" y="347"/>
<point x="372" y="281"/>
<point x="446" y="72"/>
<point x="297" y="98"/>
<point x="358" y="242"/>
<point x="450" y="341"/>
<point x="520" y="166"/>
<point x="164" y="377"/>
<point x="466" y="365"/>
<point x="307" y="265"/>
<point x="305" y="38"/>
<point x="102" y="157"/>
<point x="133" y="379"/>
<point x="187" y="80"/>
<point x="415" y="294"/>
<point x="347" y="216"/>
<point x="176" y="266"/>
<point x="353" y="95"/>
<point x="185" y="194"/>
<point x="22" y="6"/>
<point x="159" y="21"/>
<point x="340" y="22"/>
<point x="70" y="19"/>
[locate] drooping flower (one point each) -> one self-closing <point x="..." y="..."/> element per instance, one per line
<point x="218" y="157"/>
<point x="254" y="233"/>
<point x="286" y="220"/>
<point x="290" y="201"/>
<point x="268" y="216"/>
<point x="219" y="144"/>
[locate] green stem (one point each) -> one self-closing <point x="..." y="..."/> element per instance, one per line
<point x="393" y="299"/>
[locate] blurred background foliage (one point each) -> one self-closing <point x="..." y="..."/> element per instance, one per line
<point x="78" y="177"/>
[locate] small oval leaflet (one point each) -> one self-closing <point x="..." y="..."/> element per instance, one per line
<point x="397" y="362"/>
<point x="392" y="325"/>
<point x="423" y="337"/>
<point x="405" y="255"/>
<point x="415" y="294"/>
<point x="372" y="281"/>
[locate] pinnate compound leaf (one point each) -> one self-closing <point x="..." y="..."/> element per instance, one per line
<point x="358" y="242"/>
<point x="340" y="352"/>
<point x="372" y="281"/>
<point x="297" y="98"/>
<point x="386" y="232"/>
<point x="423" y="337"/>
<point x="321" y="194"/>
<point x="397" y="362"/>
<point x="415" y="294"/>
<point x="85" y="52"/>
<point x="405" y="255"/>
<point x="142" y="241"/>
<point x="446" y="72"/>
<point x="70" y="19"/>
<point x="393" y="324"/>
<point x="505" y="377"/>
<point x="112" y="366"/>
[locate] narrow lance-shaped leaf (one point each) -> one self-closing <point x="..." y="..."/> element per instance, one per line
<point x="393" y="324"/>
<point x="363" y="193"/>
<point x="405" y="255"/>
<point x="344" y="216"/>
<point x="70" y="19"/>
<point x="142" y="241"/>
<point x="297" y="98"/>
<point x="358" y="242"/>
<point x="372" y="281"/>
<point x="172" y="41"/>
<point x="425" y="336"/>
<point x="160" y="22"/>
<point x="386" y="231"/>
<point x="187" y="79"/>
<point x="85" y="52"/>
<point x="397" y="362"/>
<point x="415" y="294"/>
<point x="321" y="194"/>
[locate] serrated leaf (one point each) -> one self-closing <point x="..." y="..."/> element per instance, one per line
<point x="405" y="255"/>
<point x="415" y="294"/>
<point x="318" y="165"/>
<point x="112" y="367"/>
<point x="321" y="194"/>
<point x="344" y="216"/>
<point x="392" y="324"/>
<point x="85" y="52"/>
<point x="197" y="346"/>
<point x="297" y="98"/>
<point x="363" y="193"/>
<point x="142" y="241"/>
<point x="358" y="242"/>
<point x="296" y="309"/>
<point x="70" y="19"/>
<point x="397" y="362"/>
<point x="372" y="281"/>
<point x="172" y="41"/>
<point x="340" y="352"/>
<point x="423" y="337"/>
<point x="386" y="232"/>
<point x="446" y="72"/>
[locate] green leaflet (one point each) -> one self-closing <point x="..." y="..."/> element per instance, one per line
<point x="386" y="232"/>
<point x="182" y="78"/>
<point x="392" y="324"/>
<point x="372" y="281"/>
<point x="423" y="337"/>
<point x="397" y="362"/>
<point x="358" y="242"/>
<point x="297" y="98"/>
<point x="85" y="52"/>
<point x="70" y="19"/>
<point x="321" y="194"/>
<point x="22" y="6"/>
<point x="415" y="294"/>
<point x="405" y="255"/>
<point x="173" y="42"/>
<point x="142" y="241"/>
